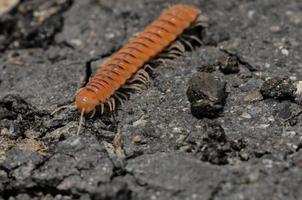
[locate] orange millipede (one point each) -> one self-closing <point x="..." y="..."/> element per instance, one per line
<point x="165" y="38"/>
<point x="121" y="67"/>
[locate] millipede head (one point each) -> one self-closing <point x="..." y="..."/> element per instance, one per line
<point x="86" y="100"/>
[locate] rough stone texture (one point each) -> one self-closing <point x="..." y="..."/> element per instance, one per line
<point x="252" y="150"/>
<point x="206" y="94"/>
<point x="278" y="88"/>
<point x="229" y="65"/>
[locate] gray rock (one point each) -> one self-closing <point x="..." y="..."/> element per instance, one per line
<point x="158" y="171"/>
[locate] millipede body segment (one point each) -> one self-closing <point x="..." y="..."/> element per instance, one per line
<point x="114" y="73"/>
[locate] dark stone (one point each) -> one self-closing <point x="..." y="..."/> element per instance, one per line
<point x="229" y="65"/>
<point x="278" y="88"/>
<point x="206" y="94"/>
<point x="173" y="173"/>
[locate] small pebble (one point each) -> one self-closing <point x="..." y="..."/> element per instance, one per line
<point x="278" y="88"/>
<point x="137" y="139"/>
<point x="284" y="52"/>
<point x="246" y="115"/>
<point x="243" y="156"/>
<point x="275" y="29"/>
<point x="253" y="177"/>
<point x="206" y="94"/>
<point x="253" y="96"/>
<point x="176" y="130"/>
<point x="251" y="13"/>
<point x="76" y="42"/>
<point x="140" y="122"/>
<point x="271" y="119"/>
<point x="229" y="65"/>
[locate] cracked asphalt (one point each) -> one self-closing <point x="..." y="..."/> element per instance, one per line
<point x="239" y="137"/>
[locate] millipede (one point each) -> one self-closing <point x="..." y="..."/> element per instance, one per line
<point x="127" y="69"/>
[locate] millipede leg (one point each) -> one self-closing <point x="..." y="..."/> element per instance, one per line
<point x="168" y="56"/>
<point x="178" y="46"/>
<point x="160" y="61"/>
<point x="193" y="37"/>
<point x="109" y="103"/>
<point x="202" y="21"/>
<point x="62" y="107"/>
<point x="176" y="52"/>
<point x="148" y="67"/>
<point x="93" y="113"/>
<point x="187" y="43"/>
<point x="135" y="87"/>
<point x="113" y="103"/>
<point x="145" y="75"/>
<point x="140" y="76"/>
<point x="136" y="78"/>
<point x="121" y="95"/>
<point x="119" y="100"/>
<point x="102" y="108"/>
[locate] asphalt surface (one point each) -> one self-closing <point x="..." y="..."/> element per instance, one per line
<point x="222" y="122"/>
